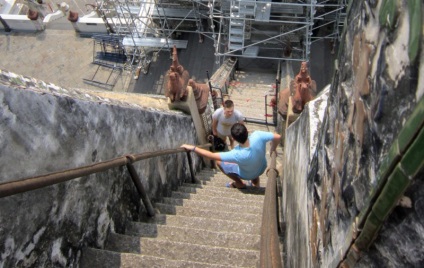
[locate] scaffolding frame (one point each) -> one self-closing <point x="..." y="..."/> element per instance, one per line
<point x="239" y="28"/>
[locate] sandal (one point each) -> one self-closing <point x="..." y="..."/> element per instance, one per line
<point x="232" y="185"/>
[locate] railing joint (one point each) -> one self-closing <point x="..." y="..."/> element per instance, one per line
<point x="131" y="158"/>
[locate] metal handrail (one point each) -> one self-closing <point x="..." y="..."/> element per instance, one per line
<point x="270" y="255"/>
<point x="33" y="183"/>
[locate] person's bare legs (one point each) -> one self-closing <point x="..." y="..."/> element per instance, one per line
<point x="256" y="182"/>
<point x="238" y="183"/>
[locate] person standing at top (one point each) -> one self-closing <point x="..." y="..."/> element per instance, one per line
<point x="247" y="161"/>
<point x="223" y="119"/>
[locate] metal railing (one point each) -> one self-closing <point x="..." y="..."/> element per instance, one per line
<point x="270" y="255"/>
<point x="33" y="183"/>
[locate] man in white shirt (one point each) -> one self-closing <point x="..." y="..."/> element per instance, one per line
<point x="223" y="119"/>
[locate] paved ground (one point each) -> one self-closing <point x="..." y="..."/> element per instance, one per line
<point x="56" y="55"/>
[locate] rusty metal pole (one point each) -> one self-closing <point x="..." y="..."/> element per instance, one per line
<point x="29" y="184"/>
<point x="190" y="165"/>
<point x="141" y="191"/>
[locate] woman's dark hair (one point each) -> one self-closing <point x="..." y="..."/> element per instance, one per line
<point x="239" y="133"/>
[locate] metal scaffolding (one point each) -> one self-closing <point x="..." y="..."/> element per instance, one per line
<point x="277" y="30"/>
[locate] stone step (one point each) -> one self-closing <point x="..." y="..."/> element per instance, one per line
<point x="220" y="180"/>
<point x="214" y="212"/>
<point x="214" y="197"/>
<point x="218" y="177"/>
<point x="183" y="251"/>
<point x="195" y="236"/>
<point x="205" y="213"/>
<point x="216" y="201"/>
<point x="254" y="194"/>
<point x="222" y="183"/>
<point x="253" y="208"/>
<point x="97" y="258"/>
<point x="215" y="225"/>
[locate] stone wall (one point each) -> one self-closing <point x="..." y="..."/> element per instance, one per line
<point x="377" y="86"/>
<point x="45" y="128"/>
<point x="300" y="143"/>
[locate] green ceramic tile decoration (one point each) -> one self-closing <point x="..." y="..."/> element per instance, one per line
<point x="393" y="190"/>
<point x="415" y="27"/>
<point x="413" y="160"/>
<point x="371" y="227"/>
<point x="388" y="13"/>
<point x="412" y="126"/>
<point x="387" y="165"/>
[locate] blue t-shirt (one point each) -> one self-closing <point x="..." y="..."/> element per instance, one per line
<point x="251" y="160"/>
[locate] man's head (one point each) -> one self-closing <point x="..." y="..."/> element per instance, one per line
<point x="228" y="108"/>
<point x="239" y="133"/>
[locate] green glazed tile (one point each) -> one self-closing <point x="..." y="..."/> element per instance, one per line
<point x="362" y="216"/>
<point x="415" y="26"/>
<point x="392" y="191"/>
<point x="413" y="160"/>
<point x="412" y="126"/>
<point x="387" y="165"/>
<point x="371" y="227"/>
<point x="388" y="13"/>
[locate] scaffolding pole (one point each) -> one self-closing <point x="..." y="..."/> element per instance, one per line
<point x="266" y="28"/>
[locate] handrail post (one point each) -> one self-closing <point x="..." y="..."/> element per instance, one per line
<point x="212" y="149"/>
<point x="270" y="255"/>
<point x="140" y="189"/>
<point x="190" y="165"/>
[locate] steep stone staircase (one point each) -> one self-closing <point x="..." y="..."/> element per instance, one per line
<point x="200" y="225"/>
<point x="204" y="224"/>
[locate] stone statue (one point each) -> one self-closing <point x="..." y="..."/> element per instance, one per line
<point x="177" y="80"/>
<point x="302" y="90"/>
<point x="201" y="94"/>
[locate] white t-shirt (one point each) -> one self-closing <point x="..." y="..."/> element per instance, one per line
<point x="224" y="124"/>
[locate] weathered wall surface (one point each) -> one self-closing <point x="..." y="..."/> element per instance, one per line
<point x="378" y="85"/>
<point x="44" y="128"/>
<point x="301" y="139"/>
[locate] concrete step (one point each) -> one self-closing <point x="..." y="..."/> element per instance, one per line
<point x="221" y="191"/>
<point x="220" y="180"/>
<point x="206" y="213"/>
<point x="215" y="225"/>
<point x="195" y="236"/>
<point x="214" y="197"/>
<point x="230" y="207"/>
<point x="183" y="251"/>
<point x="97" y="258"/>
<point x="216" y="200"/>
<point x="222" y="184"/>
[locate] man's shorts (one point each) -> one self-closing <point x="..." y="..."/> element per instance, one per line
<point x="230" y="168"/>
